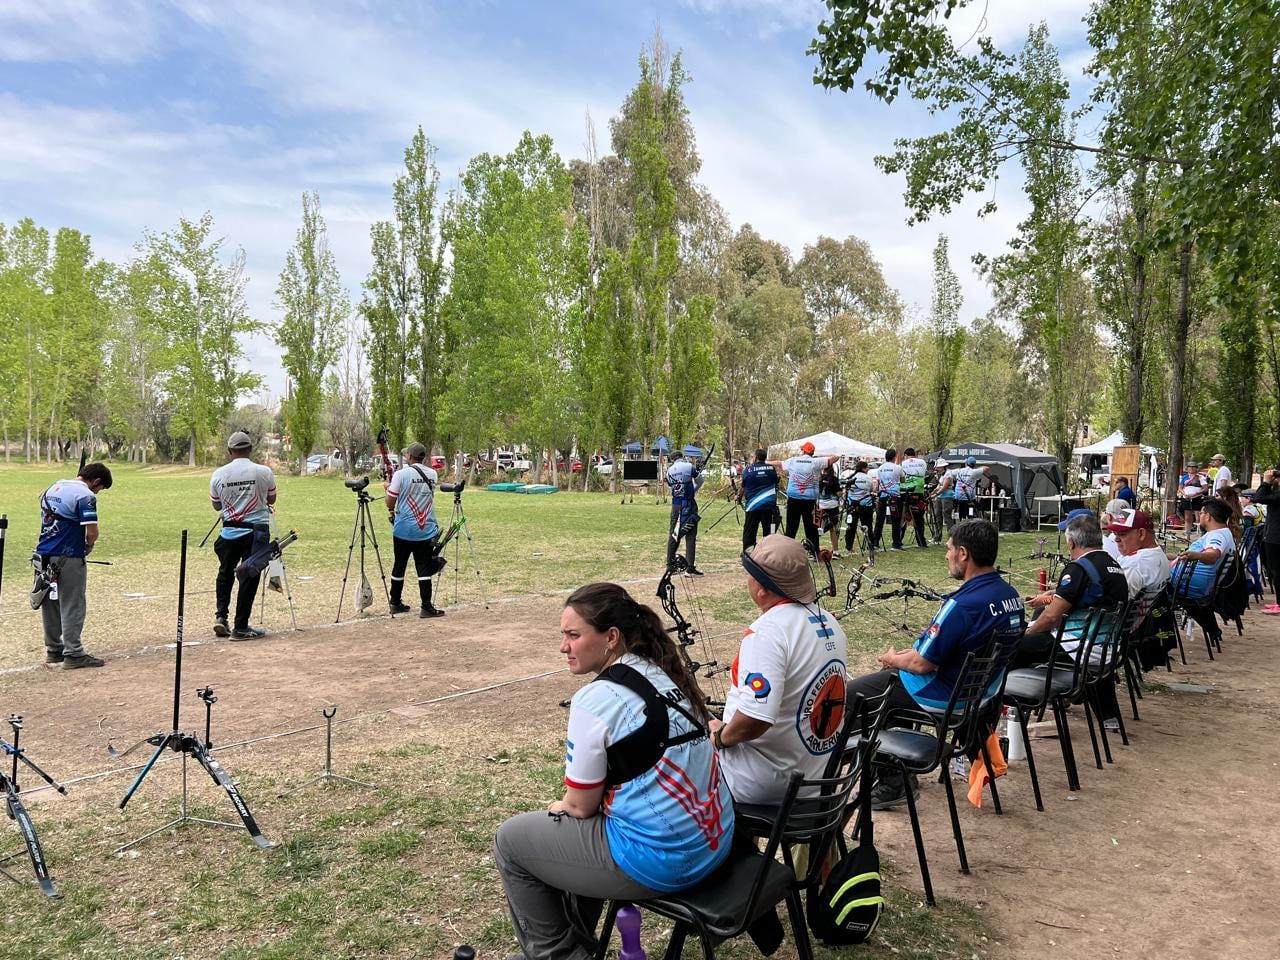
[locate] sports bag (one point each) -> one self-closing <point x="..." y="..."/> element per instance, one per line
<point x="846" y="908"/>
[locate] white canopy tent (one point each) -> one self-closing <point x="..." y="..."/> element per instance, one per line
<point x="828" y="442"/>
<point x="1104" y="447"/>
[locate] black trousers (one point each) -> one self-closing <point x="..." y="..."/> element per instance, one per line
<point x="764" y="519"/>
<point x="421" y="551"/>
<point x="801" y="511"/>
<point x="913" y="507"/>
<point x="893" y="507"/>
<point x="859" y="516"/>
<point x="230" y="551"/>
<point x="1271" y="561"/>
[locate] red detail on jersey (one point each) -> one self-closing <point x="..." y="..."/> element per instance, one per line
<point x="706" y="812"/>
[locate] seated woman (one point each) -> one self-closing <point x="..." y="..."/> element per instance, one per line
<point x="637" y="819"/>
<point x="1214" y="546"/>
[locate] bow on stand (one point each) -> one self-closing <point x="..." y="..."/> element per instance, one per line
<point x="823" y="561"/>
<point x="689" y="635"/>
<point x="882" y="590"/>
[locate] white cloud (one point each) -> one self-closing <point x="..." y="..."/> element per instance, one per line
<point x="766" y="17"/>
<point x="34" y="31"/>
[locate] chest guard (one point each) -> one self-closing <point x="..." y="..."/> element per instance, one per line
<point x="640" y="750"/>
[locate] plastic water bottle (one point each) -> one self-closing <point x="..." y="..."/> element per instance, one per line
<point x="1017" y="745"/>
<point x="629" y="931"/>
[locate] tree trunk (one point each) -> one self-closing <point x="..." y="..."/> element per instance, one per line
<point x="191" y="452"/>
<point x="1177" y="377"/>
<point x="1134" y="421"/>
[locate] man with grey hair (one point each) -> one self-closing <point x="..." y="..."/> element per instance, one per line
<point x="1115" y="508"/>
<point x="1093" y="578"/>
<point x="242" y="492"/>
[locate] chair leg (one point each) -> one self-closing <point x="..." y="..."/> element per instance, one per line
<point x="920" y="854"/>
<point x="991" y="779"/>
<point x="1134" y="683"/>
<point x="1124" y="734"/>
<point x="1065" y="744"/>
<point x="1031" y="760"/>
<point x="955" y="827"/>
<point x="1093" y="734"/>
<point x="1182" y="651"/>
<point x="606" y="932"/>
<point x="675" y="946"/>
<point x="799" y="927"/>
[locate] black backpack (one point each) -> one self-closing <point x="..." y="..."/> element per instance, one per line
<point x="1231" y="599"/>
<point x="845" y="909"/>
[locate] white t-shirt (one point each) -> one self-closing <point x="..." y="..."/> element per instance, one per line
<point x="789" y="672"/>
<point x="1112" y="546"/>
<point x="1223" y="479"/>
<point x="1145" y="570"/>
<point x="241" y="490"/>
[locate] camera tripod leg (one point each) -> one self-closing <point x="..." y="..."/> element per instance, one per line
<point x="373" y="538"/>
<point x="355" y="528"/>
<point x="475" y="563"/>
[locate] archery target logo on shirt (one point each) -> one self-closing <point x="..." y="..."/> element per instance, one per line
<point x="759" y="685"/>
<point x="821" y="711"/>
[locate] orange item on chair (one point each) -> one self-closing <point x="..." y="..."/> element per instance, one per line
<point x="978" y="770"/>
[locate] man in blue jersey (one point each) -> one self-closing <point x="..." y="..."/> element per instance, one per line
<point x="243" y="492"/>
<point x="964" y="623"/>
<point x="411" y="501"/>
<point x="685" y="479"/>
<point x="759" y="499"/>
<point x="889" y="478"/>
<point x="802" y="491"/>
<point x="68" y="532"/>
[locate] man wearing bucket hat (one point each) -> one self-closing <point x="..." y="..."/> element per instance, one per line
<point x="787" y="700"/>
<point x="242" y="492"/>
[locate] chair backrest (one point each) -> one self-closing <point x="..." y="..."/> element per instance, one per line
<point x="866" y="717"/>
<point x="1109" y="643"/>
<point x="979" y="671"/>
<point x="1096" y="620"/>
<point x="1182" y="574"/>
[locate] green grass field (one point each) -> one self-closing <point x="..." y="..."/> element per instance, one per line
<point x="405" y="872"/>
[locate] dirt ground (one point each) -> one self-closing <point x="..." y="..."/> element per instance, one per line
<point x="1170" y="851"/>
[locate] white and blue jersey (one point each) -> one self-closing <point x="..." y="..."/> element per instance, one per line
<point x="241" y="491"/>
<point x="414" y="487"/>
<point x="964" y="480"/>
<point x="66" y="509"/>
<point x="858" y="490"/>
<point x="802" y="477"/>
<point x="683" y="479"/>
<point x="889" y="477"/>
<point x="961" y="626"/>
<point x="759" y="486"/>
<point x="1205" y="573"/>
<point x="673" y="824"/>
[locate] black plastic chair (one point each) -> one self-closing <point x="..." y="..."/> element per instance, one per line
<point x="1140" y="608"/>
<point x="1052" y="686"/>
<point x="752" y="882"/>
<point x="1099" y="671"/>
<point x="1199" y="609"/>
<point x="913" y="751"/>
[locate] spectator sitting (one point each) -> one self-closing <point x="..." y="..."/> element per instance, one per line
<point x="1092" y="579"/>
<point x="1209" y="551"/>
<point x="1115" y="508"/>
<point x="1146" y="568"/>
<point x="931" y="668"/>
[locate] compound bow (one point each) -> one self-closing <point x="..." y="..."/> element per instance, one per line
<point x="884" y="589"/>
<point x="687" y="635"/>
<point x="387" y="469"/>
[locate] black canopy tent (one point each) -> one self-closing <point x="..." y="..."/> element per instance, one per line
<point x="1024" y="473"/>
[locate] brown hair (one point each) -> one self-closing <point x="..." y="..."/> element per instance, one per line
<point x="1231" y="497"/>
<point x="605" y="605"/>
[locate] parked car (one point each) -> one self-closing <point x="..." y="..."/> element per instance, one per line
<point x="604" y="466"/>
<point x="437" y="463"/>
<point x="320" y="462"/>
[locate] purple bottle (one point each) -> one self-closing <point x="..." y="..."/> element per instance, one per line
<point x="628" y="922"/>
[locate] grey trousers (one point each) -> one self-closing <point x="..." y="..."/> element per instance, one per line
<point x="690" y="538"/>
<point x="64" y="617"/>
<point x="557" y="872"/>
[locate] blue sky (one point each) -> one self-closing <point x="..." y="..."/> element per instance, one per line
<point x="118" y="117"/>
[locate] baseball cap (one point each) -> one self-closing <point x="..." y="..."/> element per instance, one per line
<point x="970" y="461"/>
<point x="1218" y="456"/>
<point x="1117" y="506"/>
<point x="1131" y="520"/>
<point x="806" y="447"/>
<point x="778" y="563"/>
<point x="1250" y="494"/>
<point x="239" y="441"/>
<point x="416" y="450"/>
<point x="1078" y="512"/>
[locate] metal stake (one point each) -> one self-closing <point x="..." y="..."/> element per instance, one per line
<point x="329" y="713"/>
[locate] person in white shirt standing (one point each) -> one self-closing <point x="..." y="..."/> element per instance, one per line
<point x="243" y="492"/>
<point x="787" y="701"/>
<point x="411" y="501"/>
<point x="1222" y="476"/>
<point x="1110" y="543"/>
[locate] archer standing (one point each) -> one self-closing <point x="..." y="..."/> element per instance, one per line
<point x="802" y="491"/>
<point x="889" y="484"/>
<point x="685" y="479"/>
<point x="915" y="472"/>
<point x="243" y="492"/>
<point x="964" y="481"/>
<point x="411" y="501"/>
<point x="760" y="499"/>
<point x="68" y="532"/>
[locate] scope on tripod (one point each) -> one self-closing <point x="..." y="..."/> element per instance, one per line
<point x="356" y="485"/>
<point x="454" y="488"/>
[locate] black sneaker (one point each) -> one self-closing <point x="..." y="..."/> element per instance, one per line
<point x="427" y="613"/>
<point x="247" y="633"/>
<point x="84" y="660"/>
<point x="51" y="657"/>
<point x="888" y="794"/>
<point x="220" y="627"/>
<point x="694" y="572"/>
<point x="398" y="607"/>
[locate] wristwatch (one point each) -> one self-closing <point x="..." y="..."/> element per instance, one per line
<point x="715" y="738"/>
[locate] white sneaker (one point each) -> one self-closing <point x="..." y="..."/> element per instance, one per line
<point x="960" y="769"/>
<point x="1111" y="725"/>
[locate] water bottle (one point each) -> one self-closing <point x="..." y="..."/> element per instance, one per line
<point x="1044" y="579"/>
<point x="629" y="931"/>
<point x="1017" y="745"/>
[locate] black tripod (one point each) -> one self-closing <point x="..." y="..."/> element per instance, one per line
<point x="458" y="524"/>
<point x="189" y="745"/>
<point x="18" y="812"/>
<point x="362" y="527"/>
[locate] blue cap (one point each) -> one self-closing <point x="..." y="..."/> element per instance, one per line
<point x="971" y="461"/>
<point x="1078" y="512"/>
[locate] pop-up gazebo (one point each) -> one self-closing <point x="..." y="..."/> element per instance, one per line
<point x="1025" y="473"/>
<point x="829" y="442"/>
